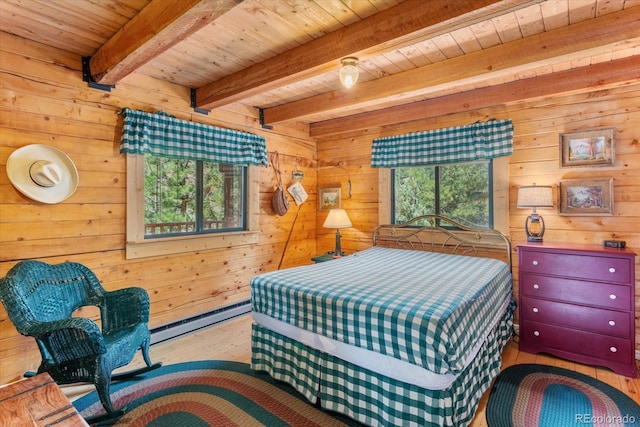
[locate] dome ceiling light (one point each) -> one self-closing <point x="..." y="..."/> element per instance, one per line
<point x="349" y="72"/>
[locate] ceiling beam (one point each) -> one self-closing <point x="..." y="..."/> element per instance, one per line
<point x="397" y="26"/>
<point x="569" y="42"/>
<point x="598" y="76"/>
<point x="155" y="29"/>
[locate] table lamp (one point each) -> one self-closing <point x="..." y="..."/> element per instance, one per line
<point x="534" y="196"/>
<point x="337" y="219"/>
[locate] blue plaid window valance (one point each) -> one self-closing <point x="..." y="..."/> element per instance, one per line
<point x="160" y="134"/>
<point x="480" y="140"/>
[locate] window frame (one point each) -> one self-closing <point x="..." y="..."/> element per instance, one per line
<point x="199" y="200"/>
<point x="500" y="195"/>
<point x="437" y="171"/>
<point x="137" y="246"/>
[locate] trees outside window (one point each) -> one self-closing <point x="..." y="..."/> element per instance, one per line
<point x="183" y="197"/>
<point x="461" y="191"/>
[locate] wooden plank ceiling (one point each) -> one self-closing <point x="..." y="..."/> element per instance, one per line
<point x="283" y="56"/>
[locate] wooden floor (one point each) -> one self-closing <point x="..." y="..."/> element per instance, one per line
<point x="231" y="341"/>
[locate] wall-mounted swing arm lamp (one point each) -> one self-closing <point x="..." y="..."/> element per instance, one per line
<point x="349" y="73"/>
<point x="337" y="219"/>
<point x="534" y="196"/>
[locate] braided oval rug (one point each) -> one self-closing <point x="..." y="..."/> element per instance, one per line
<point x="209" y="393"/>
<point x="532" y="395"/>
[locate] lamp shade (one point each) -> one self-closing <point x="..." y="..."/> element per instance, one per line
<point x="337" y="218"/>
<point x="535" y="196"/>
<point x="349" y="73"/>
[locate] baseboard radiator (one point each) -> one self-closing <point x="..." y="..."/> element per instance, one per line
<point x="191" y="324"/>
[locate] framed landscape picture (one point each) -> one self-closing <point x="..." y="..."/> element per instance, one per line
<point x="586" y="197"/>
<point x="587" y="148"/>
<point x="330" y="198"/>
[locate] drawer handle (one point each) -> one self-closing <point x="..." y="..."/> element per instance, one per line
<point x="536" y="286"/>
<point x="612" y="323"/>
<point x="612" y="296"/>
<point x="535" y="309"/>
<point x="613" y="349"/>
<point x="536" y="333"/>
<point x="612" y="270"/>
<point x="534" y="262"/>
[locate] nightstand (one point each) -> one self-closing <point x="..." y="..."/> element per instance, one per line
<point x="577" y="302"/>
<point x="323" y="258"/>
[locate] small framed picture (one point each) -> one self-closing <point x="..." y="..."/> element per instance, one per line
<point x="330" y="198"/>
<point x="586" y="197"/>
<point x="587" y="148"/>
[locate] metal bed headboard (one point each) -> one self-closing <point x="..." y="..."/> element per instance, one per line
<point x="437" y="233"/>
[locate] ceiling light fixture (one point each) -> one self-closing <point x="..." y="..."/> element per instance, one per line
<point x="349" y="72"/>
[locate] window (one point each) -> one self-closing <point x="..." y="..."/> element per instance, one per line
<point x="186" y="197"/>
<point x="457" y="147"/>
<point x="462" y="191"/>
<point x="241" y="225"/>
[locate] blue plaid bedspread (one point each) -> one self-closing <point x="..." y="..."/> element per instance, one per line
<point x="429" y="309"/>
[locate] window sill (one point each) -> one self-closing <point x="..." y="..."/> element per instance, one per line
<point x="175" y="245"/>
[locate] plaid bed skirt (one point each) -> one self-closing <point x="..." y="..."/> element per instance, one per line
<point x="374" y="399"/>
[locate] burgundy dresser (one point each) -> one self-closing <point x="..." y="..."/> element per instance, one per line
<point x="577" y="302"/>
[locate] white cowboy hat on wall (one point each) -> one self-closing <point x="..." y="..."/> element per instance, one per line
<point x="42" y="173"/>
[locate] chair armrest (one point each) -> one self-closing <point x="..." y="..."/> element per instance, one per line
<point x="124" y="308"/>
<point x="69" y="339"/>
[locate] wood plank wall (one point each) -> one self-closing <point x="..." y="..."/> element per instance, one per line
<point x="535" y="159"/>
<point x="44" y="101"/>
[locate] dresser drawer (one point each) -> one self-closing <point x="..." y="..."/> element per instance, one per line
<point x="610" y="322"/>
<point x="577" y="291"/>
<point x="601" y="268"/>
<point x="549" y="337"/>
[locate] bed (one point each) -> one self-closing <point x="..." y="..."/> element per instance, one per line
<point x="406" y="333"/>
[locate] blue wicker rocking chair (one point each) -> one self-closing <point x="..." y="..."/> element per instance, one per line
<point x="40" y="299"/>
